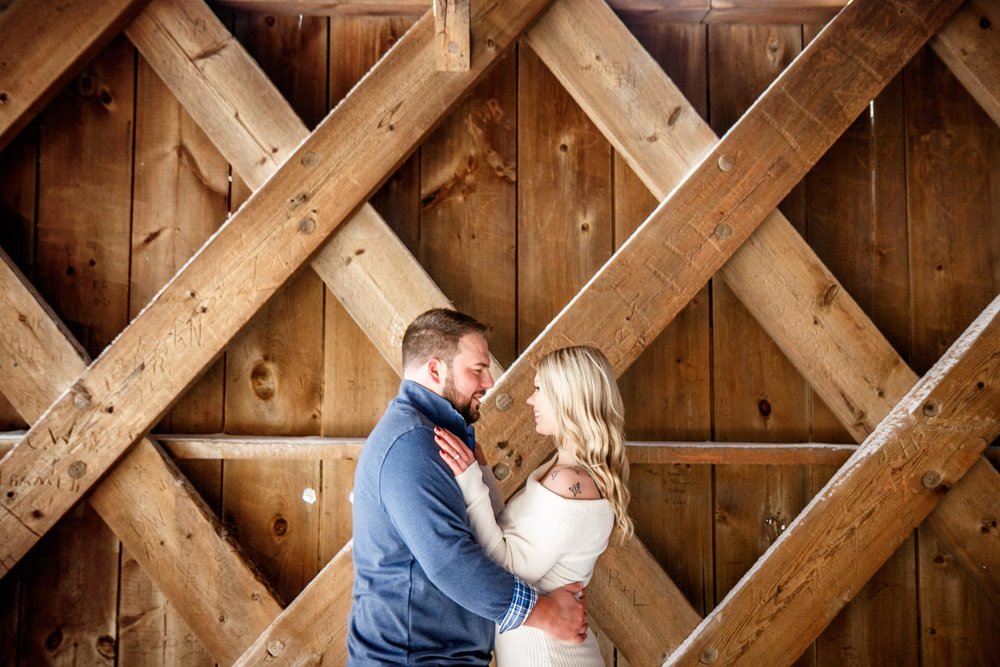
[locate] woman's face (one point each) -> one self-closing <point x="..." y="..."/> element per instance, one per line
<point x="545" y="421"/>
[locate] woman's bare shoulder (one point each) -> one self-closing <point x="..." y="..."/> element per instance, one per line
<point x="570" y="481"/>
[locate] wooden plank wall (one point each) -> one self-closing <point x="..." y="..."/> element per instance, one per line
<point x="511" y="205"/>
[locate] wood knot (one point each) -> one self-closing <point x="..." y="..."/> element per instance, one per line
<point x="931" y="409"/>
<point x="830" y="293"/>
<point x="726" y="162"/>
<point x="263" y="381"/>
<point x="310" y="159"/>
<point x="54" y="640"/>
<point x="77" y="469"/>
<point x="708" y="655"/>
<point x="501" y="471"/>
<point x="107" y="646"/>
<point x="280" y="526"/>
<point x="764" y="407"/>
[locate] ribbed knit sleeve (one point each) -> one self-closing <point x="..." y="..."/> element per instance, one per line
<point x="513" y="550"/>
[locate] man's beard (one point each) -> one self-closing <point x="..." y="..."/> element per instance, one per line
<point x="464" y="406"/>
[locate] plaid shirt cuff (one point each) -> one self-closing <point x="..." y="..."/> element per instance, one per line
<point x="521" y="604"/>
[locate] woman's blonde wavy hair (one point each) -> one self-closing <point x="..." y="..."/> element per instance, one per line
<point x="581" y="388"/>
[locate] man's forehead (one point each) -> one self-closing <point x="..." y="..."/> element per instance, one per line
<point x="474" y="345"/>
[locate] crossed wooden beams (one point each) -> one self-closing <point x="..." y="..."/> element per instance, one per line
<point x="84" y="402"/>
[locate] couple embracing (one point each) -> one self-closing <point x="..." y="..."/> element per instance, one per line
<point x="442" y="568"/>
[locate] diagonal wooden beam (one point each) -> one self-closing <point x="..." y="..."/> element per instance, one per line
<point x="173" y="339"/>
<point x="363" y="264"/>
<point x="778" y="277"/>
<point x="147" y="502"/>
<point x="970" y="46"/>
<point x="902" y="470"/>
<point x="639" y="290"/>
<point x="42" y="42"/>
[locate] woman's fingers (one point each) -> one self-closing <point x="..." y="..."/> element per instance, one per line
<point x="453" y="451"/>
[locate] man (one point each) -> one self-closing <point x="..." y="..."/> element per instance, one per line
<point x="424" y="590"/>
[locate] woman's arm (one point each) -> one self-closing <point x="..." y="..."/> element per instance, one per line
<point x="510" y="549"/>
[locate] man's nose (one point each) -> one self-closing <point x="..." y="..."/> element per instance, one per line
<point x="487" y="379"/>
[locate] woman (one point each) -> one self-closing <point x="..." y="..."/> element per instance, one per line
<point x="553" y="530"/>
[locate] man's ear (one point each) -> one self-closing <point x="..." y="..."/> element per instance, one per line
<point x="437" y="370"/>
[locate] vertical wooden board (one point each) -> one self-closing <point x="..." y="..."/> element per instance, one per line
<point x="18" y="161"/>
<point x="954" y="239"/>
<point x="292" y="50"/>
<point x="85" y="175"/>
<point x="274" y="387"/>
<point x="357" y="381"/>
<point x="564" y="198"/>
<point x="356" y="44"/>
<point x="10" y="593"/>
<point x="667" y="390"/>
<point x="758" y="395"/>
<point x="180" y="197"/>
<point x="954" y="273"/>
<point x="85" y="199"/>
<point x="854" y="210"/>
<point x="468" y="199"/>
<point x="958" y="620"/>
<point x="274" y="377"/>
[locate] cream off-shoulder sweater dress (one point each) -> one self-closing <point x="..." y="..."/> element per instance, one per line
<point x="547" y="540"/>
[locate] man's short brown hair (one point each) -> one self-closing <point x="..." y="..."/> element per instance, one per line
<point x="436" y="334"/>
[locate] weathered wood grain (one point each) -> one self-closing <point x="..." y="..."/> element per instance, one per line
<point x="466" y="234"/>
<point x="84" y="186"/>
<point x="825" y="333"/>
<point x="922" y="448"/>
<point x="758" y="395"/>
<point x="144" y="497"/>
<point x="855" y="220"/>
<point x="954" y="263"/>
<point x="667" y="390"/>
<point x="42" y="42"/>
<point x="451" y="31"/>
<point x="176" y="337"/>
<point x="970" y="46"/>
<point x="274" y="365"/>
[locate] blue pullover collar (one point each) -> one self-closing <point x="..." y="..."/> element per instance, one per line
<point x="438" y="410"/>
